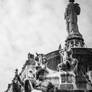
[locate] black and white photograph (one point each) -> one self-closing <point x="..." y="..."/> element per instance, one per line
<point x="45" y="45"/>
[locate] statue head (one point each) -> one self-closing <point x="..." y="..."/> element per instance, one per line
<point x="30" y="56"/>
<point x="71" y="0"/>
<point x="16" y="72"/>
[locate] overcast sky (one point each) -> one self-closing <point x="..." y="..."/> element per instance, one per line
<point x="35" y="26"/>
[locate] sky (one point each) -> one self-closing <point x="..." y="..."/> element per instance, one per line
<point x="35" y="26"/>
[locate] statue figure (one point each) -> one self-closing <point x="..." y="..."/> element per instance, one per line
<point x="69" y="63"/>
<point x="42" y="60"/>
<point x="30" y="60"/>
<point x="72" y="11"/>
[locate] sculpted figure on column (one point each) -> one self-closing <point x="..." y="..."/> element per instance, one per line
<point x="71" y="14"/>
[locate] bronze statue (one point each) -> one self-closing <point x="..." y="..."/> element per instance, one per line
<point x="72" y="11"/>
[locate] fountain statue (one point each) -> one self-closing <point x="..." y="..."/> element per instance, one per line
<point x="67" y="69"/>
<point x="72" y="11"/>
<point x="69" y="63"/>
